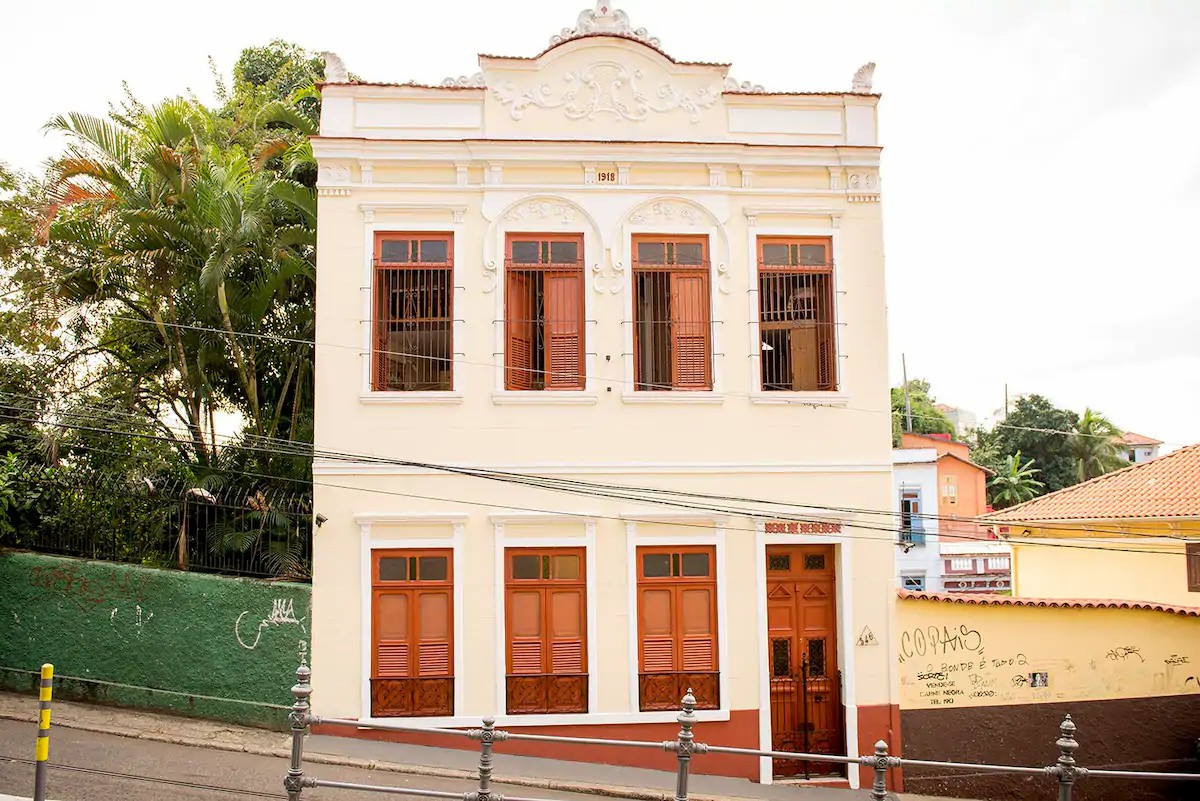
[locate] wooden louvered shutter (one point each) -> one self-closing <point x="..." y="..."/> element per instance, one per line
<point x="564" y="324"/>
<point x="697" y="618"/>
<point x="1192" y="555"/>
<point x="392" y="658"/>
<point x="433" y="647"/>
<point x="656" y="609"/>
<point x="690" y="330"/>
<point x="380" y="361"/>
<point x="565" y="631"/>
<point x="526" y="652"/>
<point x="519" y="323"/>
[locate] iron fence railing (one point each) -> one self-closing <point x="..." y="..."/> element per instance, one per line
<point x="1064" y="773"/>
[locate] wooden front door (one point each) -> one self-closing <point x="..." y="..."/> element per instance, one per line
<point x="806" y="704"/>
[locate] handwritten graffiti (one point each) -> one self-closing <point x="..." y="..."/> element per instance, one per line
<point x="283" y="613"/>
<point x="1176" y="659"/>
<point x="931" y="676"/>
<point x="72" y="583"/>
<point x="1125" y="652"/>
<point x="932" y="641"/>
<point x="139" y="620"/>
<point x="1020" y="680"/>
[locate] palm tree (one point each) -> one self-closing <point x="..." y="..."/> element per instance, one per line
<point x="1093" y="444"/>
<point x="1015" y="483"/>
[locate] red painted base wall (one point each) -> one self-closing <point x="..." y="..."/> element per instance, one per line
<point x="877" y="723"/>
<point x="740" y="731"/>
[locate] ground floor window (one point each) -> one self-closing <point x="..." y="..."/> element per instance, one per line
<point x="914" y="582"/>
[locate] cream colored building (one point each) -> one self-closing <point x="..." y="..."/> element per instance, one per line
<point x="577" y="278"/>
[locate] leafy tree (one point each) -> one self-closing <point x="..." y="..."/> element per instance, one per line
<point x="1094" y="446"/>
<point x="1015" y="483"/>
<point x="1040" y="431"/>
<point x="926" y="419"/>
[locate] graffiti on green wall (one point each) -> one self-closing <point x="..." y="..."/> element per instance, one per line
<point x="182" y="635"/>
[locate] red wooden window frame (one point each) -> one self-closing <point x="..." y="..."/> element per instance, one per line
<point x="412" y="675"/>
<point x="682" y="330"/>
<point x="428" y="315"/>
<point x="559" y="288"/>
<point x="547" y="671"/>
<point x="799" y="340"/>
<point x="1192" y="557"/>
<point x="671" y="662"/>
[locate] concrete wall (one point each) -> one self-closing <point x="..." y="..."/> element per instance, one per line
<point x="191" y="634"/>
<point x="1001" y="678"/>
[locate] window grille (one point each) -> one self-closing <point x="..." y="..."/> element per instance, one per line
<point x="796" y="315"/>
<point x="544" y="302"/>
<point x="672" y="313"/>
<point x="413" y="322"/>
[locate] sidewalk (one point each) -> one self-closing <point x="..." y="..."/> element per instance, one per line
<point x="576" y="777"/>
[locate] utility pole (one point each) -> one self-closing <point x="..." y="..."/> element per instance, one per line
<point x="1006" y="402"/>
<point x="907" y="400"/>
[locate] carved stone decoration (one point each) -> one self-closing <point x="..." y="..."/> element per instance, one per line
<point x="745" y="87"/>
<point x="862" y="79"/>
<point x="666" y="211"/>
<point x="465" y="82"/>
<point x="333" y="180"/>
<point x="335" y="68"/>
<point x="490" y="275"/>
<point x="543" y="211"/>
<point x="862" y="187"/>
<point x="603" y="18"/>
<point x="607" y="88"/>
<point x="598" y="277"/>
<point x="724" y="285"/>
<point x="618" y="278"/>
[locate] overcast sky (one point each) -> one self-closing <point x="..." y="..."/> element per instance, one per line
<point x="1041" y="158"/>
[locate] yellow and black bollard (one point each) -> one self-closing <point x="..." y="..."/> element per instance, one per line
<point x="43" y="737"/>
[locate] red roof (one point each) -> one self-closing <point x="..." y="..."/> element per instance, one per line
<point x="1130" y="438"/>
<point x="1166" y="487"/>
<point x="1055" y="603"/>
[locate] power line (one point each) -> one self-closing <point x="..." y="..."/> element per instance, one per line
<point x="298" y="449"/>
<point x="734" y="511"/>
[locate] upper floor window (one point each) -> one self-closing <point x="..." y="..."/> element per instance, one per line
<point x="912" y="525"/>
<point x="1192" y="555"/>
<point x="544" y="312"/>
<point x="413" y="307"/>
<point x="950" y="489"/>
<point x="795" y="314"/>
<point x="672" y="333"/>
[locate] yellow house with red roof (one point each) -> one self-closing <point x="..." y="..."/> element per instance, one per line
<point x="1133" y="534"/>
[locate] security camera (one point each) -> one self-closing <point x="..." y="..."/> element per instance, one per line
<point x="320" y="519"/>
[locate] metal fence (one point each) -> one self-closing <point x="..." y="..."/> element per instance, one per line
<point x="244" y="530"/>
<point x="1061" y="776"/>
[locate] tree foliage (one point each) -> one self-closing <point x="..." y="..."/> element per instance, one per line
<point x="1015" y="483"/>
<point x="1094" y="446"/>
<point x="926" y="419"/>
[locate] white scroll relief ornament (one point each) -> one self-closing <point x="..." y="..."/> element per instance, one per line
<point x="335" y="68"/>
<point x="862" y="79"/>
<point x="746" y="87"/>
<point x="603" y="19"/>
<point x="465" y="82"/>
<point x="607" y="88"/>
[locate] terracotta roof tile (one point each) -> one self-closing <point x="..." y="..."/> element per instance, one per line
<point x="1055" y="603"/>
<point x="1130" y="438"/>
<point x="1168" y="486"/>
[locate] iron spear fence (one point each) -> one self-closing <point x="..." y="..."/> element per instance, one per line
<point x="1063" y="774"/>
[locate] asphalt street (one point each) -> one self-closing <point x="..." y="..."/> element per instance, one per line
<point x="103" y="767"/>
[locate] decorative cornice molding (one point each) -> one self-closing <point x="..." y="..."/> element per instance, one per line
<point x="333" y="191"/>
<point x="603" y="18"/>
<point x="732" y="85"/>
<point x="475" y="81"/>
<point x="606" y="88"/>
<point x="861" y="85"/>
<point x="862" y="187"/>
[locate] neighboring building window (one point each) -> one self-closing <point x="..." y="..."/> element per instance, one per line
<point x="997" y="563"/>
<point x="544" y="312"/>
<point x="914" y="582"/>
<point x="1193" y="566"/>
<point x="962" y="564"/>
<point x="413" y="322"/>
<point x="795" y="314"/>
<point x="677" y="626"/>
<point x="546" y="625"/>
<point x="412" y="650"/>
<point x="912" y="525"/>
<point x="672" y="332"/>
<point x="950" y="489"/>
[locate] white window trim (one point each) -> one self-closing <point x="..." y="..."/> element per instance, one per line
<point x="433" y="220"/>
<point x="717" y="539"/>
<point x="495" y="250"/>
<point x="588" y="543"/>
<point x="454" y="541"/>
<point x="718" y="260"/>
<point x="911" y="574"/>
<point x="838" y="397"/>
<point x="844" y="579"/>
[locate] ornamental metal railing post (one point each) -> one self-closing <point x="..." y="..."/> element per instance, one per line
<point x="487" y="737"/>
<point x="879" y="762"/>
<point x="684" y="745"/>
<point x="298" y="717"/>
<point x="42" y="752"/>
<point x="1065" y="769"/>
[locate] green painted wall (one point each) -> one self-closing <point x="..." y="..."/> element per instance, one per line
<point x="196" y="634"/>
